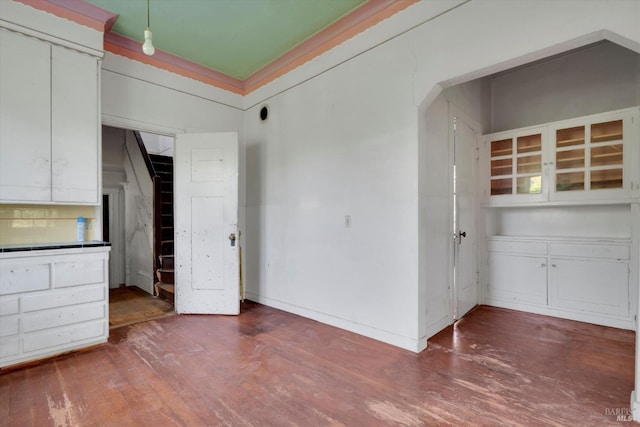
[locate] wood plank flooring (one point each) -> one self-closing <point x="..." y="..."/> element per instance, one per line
<point x="130" y="304"/>
<point x="270" y="368"/>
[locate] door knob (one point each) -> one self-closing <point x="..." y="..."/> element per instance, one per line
<point x="232" y="238"/>
<point x="462" y="233"/>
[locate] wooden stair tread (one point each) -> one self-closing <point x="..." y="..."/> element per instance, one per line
<point x="166" y="270"/>
<point x="166" y="287"/>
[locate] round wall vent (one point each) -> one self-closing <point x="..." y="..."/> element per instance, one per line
<point x="264" y="113"/>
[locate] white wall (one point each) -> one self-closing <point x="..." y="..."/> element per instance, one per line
<point x="600" y="78"/>
<point x="332" y="147"/>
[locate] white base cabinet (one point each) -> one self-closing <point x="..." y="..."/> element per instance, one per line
<point x="580" y="279"/>
<point x="52" y="301"/>
<point x="588" y="285"/>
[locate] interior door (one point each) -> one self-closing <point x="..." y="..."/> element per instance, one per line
<point x="465" y="231"/>
<point x="206" y="223"/>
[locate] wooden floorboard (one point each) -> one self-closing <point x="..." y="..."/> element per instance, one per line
<point x="270" y="368"/>
<point x="130" y="304"/>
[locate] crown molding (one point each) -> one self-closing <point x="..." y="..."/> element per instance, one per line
<point x="132" y="49"/>
<point x="77" y="11"/>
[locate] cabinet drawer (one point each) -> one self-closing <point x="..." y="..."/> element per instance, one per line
<point x="517" y="247"/>
<point x="15" y="278"/>
<point x="9" y="346"/>
<point x="73" y="273"/>
<point x="618" y="252"/>
<point x="9" y="305"/>
<point x="62" y="298"/>
<point x="9" y="325"/>
<point x="60" y="337"/>
<point x="62" y="317"/>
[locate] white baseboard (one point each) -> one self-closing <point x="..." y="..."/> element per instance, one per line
<point x="581" y="316"/>
<point x="414" y="345"/>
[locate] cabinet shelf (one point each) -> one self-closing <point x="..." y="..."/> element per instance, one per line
<point x="570" y="142"/>
<point x="607" y="137"/>
<point x="502" y="152"/>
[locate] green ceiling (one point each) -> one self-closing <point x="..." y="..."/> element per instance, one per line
<point x="235" y="37"/>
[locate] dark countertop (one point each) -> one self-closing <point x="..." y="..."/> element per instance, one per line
<point x="45" y="246"/>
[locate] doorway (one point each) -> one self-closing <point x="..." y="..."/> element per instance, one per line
<point x="128" y="224"/>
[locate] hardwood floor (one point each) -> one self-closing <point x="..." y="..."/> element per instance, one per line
<point x="270" y="368"/>
<point x="128" y="305"/>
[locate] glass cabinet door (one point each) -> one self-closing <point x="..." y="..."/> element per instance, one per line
<point x="502" y="167"/>
<point x="529" y="164"/>
<point x="589" y="157"/>
<point x="570" y="153"/>
<point x="607" y="155"/>
<point x="516" y="165"/>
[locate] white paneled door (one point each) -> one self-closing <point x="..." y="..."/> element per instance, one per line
<point x="465" y="286"/>
<point x="206" y="223"/>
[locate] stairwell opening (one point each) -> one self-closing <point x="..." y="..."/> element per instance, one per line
<point x="139" y="166"/>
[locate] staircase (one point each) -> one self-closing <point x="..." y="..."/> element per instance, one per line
<point x="163" y="225"/>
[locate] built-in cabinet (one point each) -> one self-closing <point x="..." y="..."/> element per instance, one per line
<point x="49" y="122"/>
<point x="546" y="189"/>
<point x="52" y="301"/>
<point x="580" y="279"/>
<point x="583" y="160"/>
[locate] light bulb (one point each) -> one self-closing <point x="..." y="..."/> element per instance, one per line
<point x="147" y="47"/>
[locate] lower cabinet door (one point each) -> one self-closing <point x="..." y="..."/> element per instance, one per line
<point x="517" y="278"/>
<point x="597" y="286"/>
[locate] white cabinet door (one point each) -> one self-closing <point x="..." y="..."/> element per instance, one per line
<point x="597" y="286"/>
<point x="25" y="118"/>
<point x="74" y="130"/>
<point x="517" y="278"/>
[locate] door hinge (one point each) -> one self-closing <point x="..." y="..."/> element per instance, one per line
<point x="477" y="153"/>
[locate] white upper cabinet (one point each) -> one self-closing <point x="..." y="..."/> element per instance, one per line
<point x="49" y="123"/>
<point x="25" y="119"/>
<point x="74" y="127"/>
<point x="584" y="160"/>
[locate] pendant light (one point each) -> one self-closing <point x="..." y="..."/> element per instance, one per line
<point x="147" y="47"/>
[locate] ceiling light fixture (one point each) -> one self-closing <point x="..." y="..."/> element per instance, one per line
<point x="147" y="47"/>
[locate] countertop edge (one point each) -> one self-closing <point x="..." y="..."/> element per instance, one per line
<point x="27" y="247"/>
